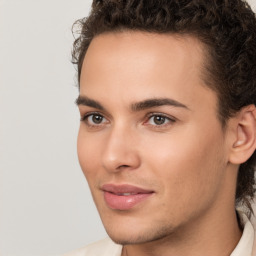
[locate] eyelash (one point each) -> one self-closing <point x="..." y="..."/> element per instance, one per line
<point x="91" y="114"/>
<point x="170" y="120"/>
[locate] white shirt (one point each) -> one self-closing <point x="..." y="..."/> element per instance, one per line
<point x="106" y="247"/>
<point x="247" y="244"/>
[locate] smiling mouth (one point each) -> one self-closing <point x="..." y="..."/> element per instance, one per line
<point x="124" y="197"/>
<point x="125" y="194"/>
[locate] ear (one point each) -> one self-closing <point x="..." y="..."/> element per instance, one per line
<point x="244" y="141"/>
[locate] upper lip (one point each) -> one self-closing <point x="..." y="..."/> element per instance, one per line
<point x="125" y="188"/>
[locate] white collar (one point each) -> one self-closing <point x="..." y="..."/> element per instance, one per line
<point x="245" y="245"/>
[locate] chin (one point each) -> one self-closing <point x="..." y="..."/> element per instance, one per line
<point x="126" y="236"/>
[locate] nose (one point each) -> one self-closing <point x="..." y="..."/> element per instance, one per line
<point x="120" y="151"/>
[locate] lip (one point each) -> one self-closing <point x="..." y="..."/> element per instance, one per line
<point x="124" y="197"/>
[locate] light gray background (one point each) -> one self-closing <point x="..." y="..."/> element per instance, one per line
<point x="45" y="204"/>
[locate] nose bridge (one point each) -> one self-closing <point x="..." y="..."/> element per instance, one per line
<point x="120" y="149"/>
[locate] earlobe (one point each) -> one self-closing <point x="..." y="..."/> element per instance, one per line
<point x="245" y="137"/>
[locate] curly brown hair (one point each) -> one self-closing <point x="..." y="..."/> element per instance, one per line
<point x="227" y="28"/>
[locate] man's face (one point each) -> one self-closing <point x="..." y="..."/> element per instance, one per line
<point x="150" y="144"/>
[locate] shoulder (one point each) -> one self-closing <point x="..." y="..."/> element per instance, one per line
<point x="105" y="247"/>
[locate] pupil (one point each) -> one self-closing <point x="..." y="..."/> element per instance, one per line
<point x="97" y="119"/>
<point x="159" y="120"/>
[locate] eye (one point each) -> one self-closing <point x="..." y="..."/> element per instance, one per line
<point x="94" y="119"/>
<point x="159" y="120"/>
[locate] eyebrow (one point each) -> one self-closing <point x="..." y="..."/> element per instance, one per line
<point x="85" y="101"/>
<point x="156" y="102"/>
<point x="135" y="107"/>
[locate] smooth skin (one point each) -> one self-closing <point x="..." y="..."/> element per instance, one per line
<point x="178" y="150"/>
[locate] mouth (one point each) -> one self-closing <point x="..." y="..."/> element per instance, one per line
<point x="124" y="197"/>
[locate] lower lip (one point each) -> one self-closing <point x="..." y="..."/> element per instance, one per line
<point x="117" y="202"/>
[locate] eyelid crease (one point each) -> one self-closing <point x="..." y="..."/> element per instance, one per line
<point x="149" y="115"/>
<point x="88" y="110"/>
<point x="96" y="112"/>
<point x="87" y="114"/>
<point x="160" y="127"/>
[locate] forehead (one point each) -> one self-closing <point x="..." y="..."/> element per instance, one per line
<point x="141" y="48"/>
<point x="138" y="65"/>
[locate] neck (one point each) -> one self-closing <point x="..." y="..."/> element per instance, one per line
<point x="210" y="235"/>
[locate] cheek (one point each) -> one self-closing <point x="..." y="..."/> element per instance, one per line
<point x="187" y="164"/>
<point x="88" y="150"/>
